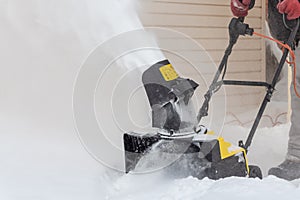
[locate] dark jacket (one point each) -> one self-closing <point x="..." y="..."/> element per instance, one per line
<point x="276" y="25"/>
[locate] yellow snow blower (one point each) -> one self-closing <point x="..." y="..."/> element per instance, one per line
<point x="199" y="152"/>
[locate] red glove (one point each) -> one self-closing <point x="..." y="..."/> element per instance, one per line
<point x="289" y="7"/>
<point x="240" y="8"/>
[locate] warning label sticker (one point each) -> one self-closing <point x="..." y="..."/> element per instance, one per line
<point x="168" y="72"/>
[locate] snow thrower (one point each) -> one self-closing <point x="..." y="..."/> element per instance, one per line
<point x="199" y="152"/>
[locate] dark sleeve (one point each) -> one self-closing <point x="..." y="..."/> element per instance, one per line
<point x="276" y="25"/>
<point x="252" y="4"/>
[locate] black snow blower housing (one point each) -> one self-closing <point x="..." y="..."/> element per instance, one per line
<point x="198" y="151"/>
<point x="198" y="154"/>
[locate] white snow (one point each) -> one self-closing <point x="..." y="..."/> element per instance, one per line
<point x="42" y="44"/>
<point x="39" y="164"/>
<point x="191" y="188"/>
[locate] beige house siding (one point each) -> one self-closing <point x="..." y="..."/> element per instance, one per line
<point x="206" y="21"/>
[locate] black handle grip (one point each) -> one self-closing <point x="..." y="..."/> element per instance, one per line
<point x="251" y="5"/>
<point x="241" y="19"/>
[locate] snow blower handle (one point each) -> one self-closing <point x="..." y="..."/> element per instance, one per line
<point x="271" y="88"/>
<point x="236" y="28"/>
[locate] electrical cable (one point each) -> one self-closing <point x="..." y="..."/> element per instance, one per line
<point x="292" y="63"/>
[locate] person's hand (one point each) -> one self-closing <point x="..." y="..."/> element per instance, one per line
<point x="240" y="8"/>
<point x="289" y="7"/>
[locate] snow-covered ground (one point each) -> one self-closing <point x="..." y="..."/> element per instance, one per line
<point x="38" y="164"/>
<point x="131" y="188"/>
